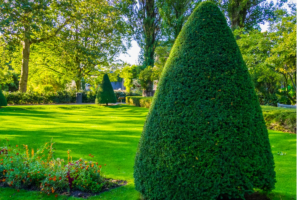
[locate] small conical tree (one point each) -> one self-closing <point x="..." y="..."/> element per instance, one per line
<point x="3" y="101"/>
<point x="105" y="93"/>
<point x="205" y="136"/>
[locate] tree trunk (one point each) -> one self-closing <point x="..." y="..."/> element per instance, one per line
<point x="148" y="92"/>
<point x="237" y="13"/>
<point x="78" y="85"/>
<point x="24" y="69"/>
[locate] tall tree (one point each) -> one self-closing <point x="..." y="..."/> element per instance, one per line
<point x="174" y="14"/>
<point x="87" y="44"/>
<point x="97" y="39"/>
<point x="283" y="55"/>
<point x="129" y="73"/>
<point x="248" y="14"/>
<point x="146" y="22"/>
<point x="31" y="22"/>
<point x="9" y="63"/>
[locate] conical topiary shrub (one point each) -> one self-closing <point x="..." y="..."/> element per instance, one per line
<point x="3" y="101"/>
<point x="105" y="93"/>
<point x="205" y="136"/>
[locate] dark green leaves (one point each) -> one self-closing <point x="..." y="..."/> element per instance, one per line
<point x="105" y="93"/>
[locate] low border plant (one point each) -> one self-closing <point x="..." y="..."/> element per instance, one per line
<point x="22" y="168"/>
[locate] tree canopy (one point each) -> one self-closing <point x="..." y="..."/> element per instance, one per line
<point x="89" y="31"/>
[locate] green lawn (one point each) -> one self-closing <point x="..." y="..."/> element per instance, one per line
<point x="272" y="108"/>
<point x="111" y="134"/>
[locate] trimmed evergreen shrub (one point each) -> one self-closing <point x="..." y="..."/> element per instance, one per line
<point x="105" y="93"/>
<point x="205" y="136"/>
<point x="3" y="101"/>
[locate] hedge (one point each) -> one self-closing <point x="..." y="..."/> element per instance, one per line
<point x="279" y="119"/>
<point x="18" y="98"/>
<point x="139" y="101"/>
<point x="204" y="136"/>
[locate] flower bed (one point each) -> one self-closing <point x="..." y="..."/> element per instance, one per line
<point x="22" y="168"/>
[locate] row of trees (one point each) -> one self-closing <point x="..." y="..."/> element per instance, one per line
<point x="49" y="43"/>
<point x="60" y="38"/>
<point x="161" y="21"/>
<point x="271" y="58"/>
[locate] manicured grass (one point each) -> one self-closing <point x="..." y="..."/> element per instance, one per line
<point x="111" y="134"/>
<point x="273" y="108"/>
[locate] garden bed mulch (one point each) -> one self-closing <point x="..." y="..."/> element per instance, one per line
<point x="78" y="193"/>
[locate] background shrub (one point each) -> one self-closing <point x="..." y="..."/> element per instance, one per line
<point x="139" y="101"/>
<point x="204" y="136"/>
<point x="280" y="119"/>
<point x="15" y="98"/>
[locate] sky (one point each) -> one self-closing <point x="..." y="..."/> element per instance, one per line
<point x="133" y="53"/>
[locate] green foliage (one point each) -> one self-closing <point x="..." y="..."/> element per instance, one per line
<point x="174" y="14"/>
<point x="287" y="95"/>
<point x="271" y="59"/>
<point x="205" y="121"/>
<point x="146" y="78"/>
<point x="145" y="20"/>
<point x="255" y="47"/>
<point x="248" y="14"/>
<point x="270" y="100"/>
<point x="283" y="55"/>
<point x="129" y="73"/>
<point x="3" y="101"/>
<point x="6" y="63"/>
<point x="39" y="169"/>
<point x="105" y="93"/>
<point x="139" y="101"/>
<point x="161" y="55"/>
<point x="70" y="38"/>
